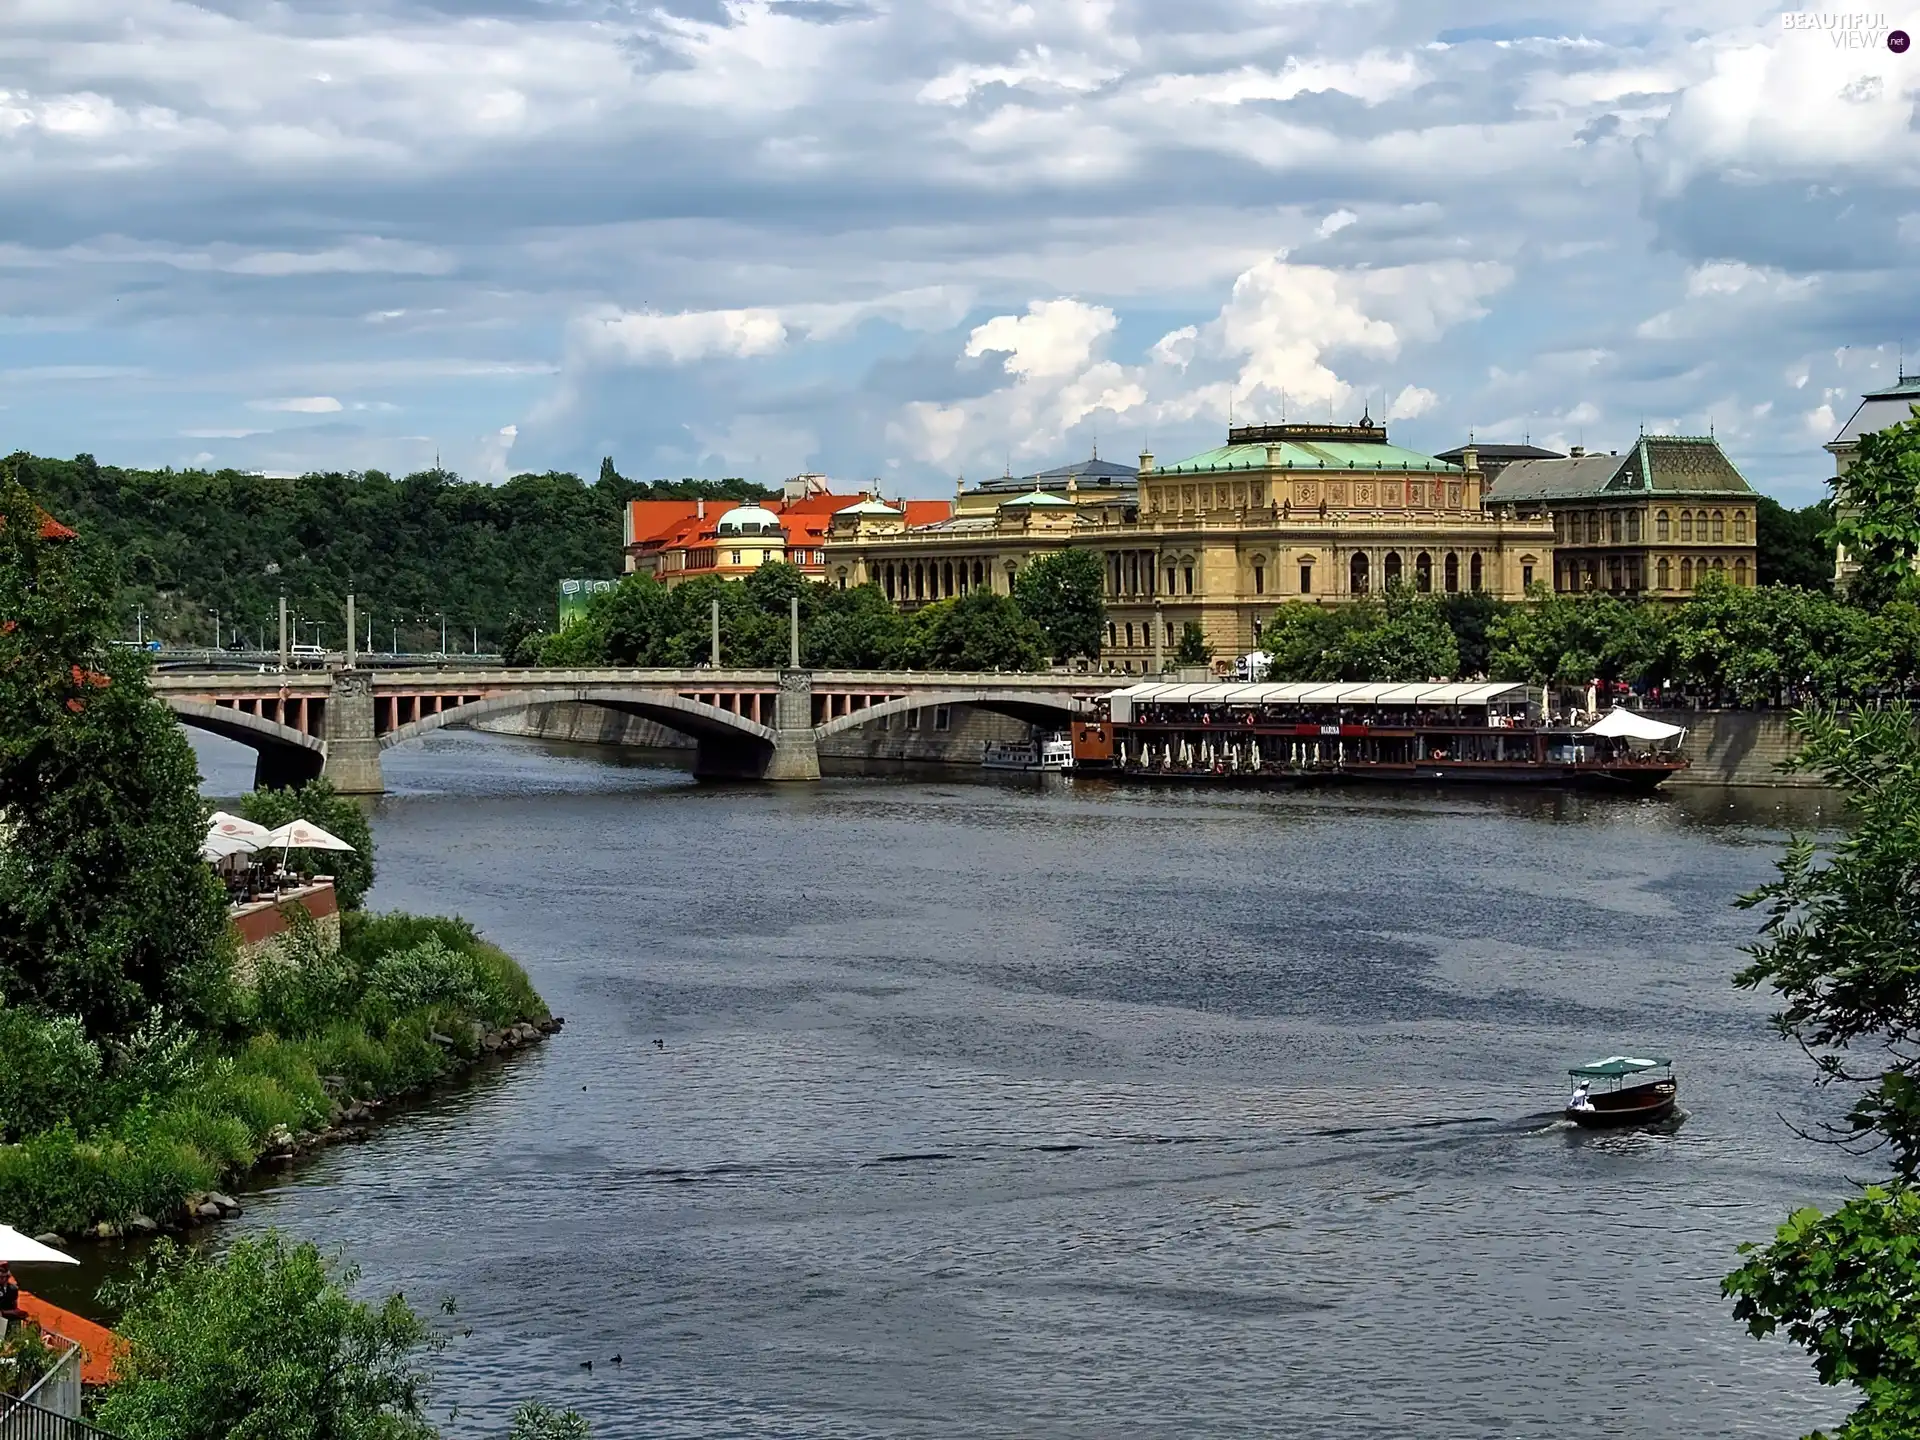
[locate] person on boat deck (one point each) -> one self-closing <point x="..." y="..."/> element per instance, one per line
<point x="1580" y="1100"/>
<point x="9" y="1295"/>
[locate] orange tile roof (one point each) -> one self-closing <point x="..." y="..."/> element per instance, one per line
<point x="99" y="1346"/>
<point x="927" y="512"/>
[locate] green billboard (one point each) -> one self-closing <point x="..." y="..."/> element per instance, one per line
<point x="576" y="595"/>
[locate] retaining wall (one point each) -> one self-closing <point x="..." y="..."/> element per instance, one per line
<point x="1736" y="747"/>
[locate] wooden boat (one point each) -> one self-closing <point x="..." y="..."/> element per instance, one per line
<point x="1646" y="1102"/>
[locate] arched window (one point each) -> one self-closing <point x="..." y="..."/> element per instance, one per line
<point x="1664" y="574"/>
<point x="1473" y="573"/>
<point x="1686" y="574"/>
<point x="1686" y="524"/>
<point x="1719" y="565"/>
<point x="1616" y="527"/>
<point x="1306" y="576"/>
<point x="1593" y="527"/>
<point x="1259" y="574"/>
<point x="1453" y="573"/>
<point x="1390" y="571"/>
<point x="979" y="575"/>
<point x="886" y="579"/>
<point x="919" y="580"/>
<point x="1740" y="525"/>
<point x="1113" y="633"/>
<point x="1633" y="527"/>
<point x="1740" y="573"/>
<point x="1357" y="575"/>
<point x="1719" y="528"/>
<point x="1662" y="526"/>
<point x="1423" y="572"/>
<point x="1129" y="634"/>
<point x="1186" y="572"/>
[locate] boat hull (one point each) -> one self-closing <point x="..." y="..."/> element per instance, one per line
<point x="1635" y="780"/>
<point x="1641" y="1105"/>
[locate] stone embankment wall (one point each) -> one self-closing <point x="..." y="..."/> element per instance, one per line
<point x="1736" y="747"/>
<point x="961" y="743"/>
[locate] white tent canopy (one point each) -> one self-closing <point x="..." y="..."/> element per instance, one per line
<point x="1631" y="725"/>
<point x="225" y="847"/>
<point x="18" y="1249"/>
<point x="303" y="835"/>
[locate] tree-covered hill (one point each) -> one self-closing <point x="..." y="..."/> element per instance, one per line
<point x="189" y="542"/>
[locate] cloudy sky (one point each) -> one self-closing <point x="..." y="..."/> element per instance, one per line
<point x="913" y="239"/>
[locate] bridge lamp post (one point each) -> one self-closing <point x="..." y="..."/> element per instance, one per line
<point x="443" y="635"/>
<point x="216" y="628"/>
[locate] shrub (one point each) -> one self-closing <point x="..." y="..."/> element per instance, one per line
<point x="428" y="974"/>
<point x="49" y="1071"/>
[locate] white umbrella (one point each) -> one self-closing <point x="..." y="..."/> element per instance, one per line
<point x="18" y="1249"/>
<point x="221" y="823"/>
<point x="1632" y="726"/>
<point x="303" y="835"/>
<point x="225" y="847"/>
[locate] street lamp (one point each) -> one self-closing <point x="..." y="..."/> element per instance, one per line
<point x="216" y="628"/>
<point x="443" y="635"/>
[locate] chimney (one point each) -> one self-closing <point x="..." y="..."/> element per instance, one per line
<point x="1273" y="457"/>
<point x="1578" y="451"/>
<point x="700" y="509"/>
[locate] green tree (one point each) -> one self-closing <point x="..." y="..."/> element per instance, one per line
<point x="1793" y="547"/>
<point x="854" y="629"/>
<point x="265" y="1342"/>
<point x="1470" y="616"/>
<point x="1877" y="512"/>
<point x="534" y="1421"/>
<point x="1192" y="647"/>
<point x="1408" y="639"/>
<point x="106" y="909"/>
<point x="1065" y="595"/>
<point x="1840" y="948"/>
<point x="333" y="812"/>
<point x="1308" y="641"/>
<point x="1571" y="640"/>
<point x="978" y="631"/>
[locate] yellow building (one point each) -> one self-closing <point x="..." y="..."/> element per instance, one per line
<point x="1653" y="522"/>
<point x="1321" y="513"/>
<point x="1878" y="409"/>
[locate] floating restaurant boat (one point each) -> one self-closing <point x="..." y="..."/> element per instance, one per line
<point x="1050" y="752"/>
<point x="1645" y="1103"/>
<point x="1305" y="732"/>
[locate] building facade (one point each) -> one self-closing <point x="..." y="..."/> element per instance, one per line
<point x="1651" y="522"/>
<point x="1321" y="513"/>
<point x="1876" y="411"/>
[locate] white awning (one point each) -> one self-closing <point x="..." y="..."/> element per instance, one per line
<point x="1335" y="693"/>
<point x="1631" y="725"/>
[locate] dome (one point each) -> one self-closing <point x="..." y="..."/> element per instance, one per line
<point x="749" y="520"/>
<point x="1037" y="500"/>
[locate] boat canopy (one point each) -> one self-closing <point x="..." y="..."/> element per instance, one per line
<point x="1614" y="1066"/>
<point x="1313" y="692"/>
<point x="1628" y="724"/>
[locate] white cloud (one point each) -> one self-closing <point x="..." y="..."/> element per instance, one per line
<point x="1054" y="338"/>
<point x="1411" y="403"/>
<point x="646" y="339"/>
<point x="301" y="404"/>
<point x="1335" y="223"/>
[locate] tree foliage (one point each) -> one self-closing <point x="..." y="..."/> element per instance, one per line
<point x="1403" y="636"/>
<point x="1192" y="647"/>
<point x="1793" y="547"/>
<point x="106" y="909"/>
<point x="1877" y="511"/>
<point x="977" y="631"/>
<point x="411" y="548"/>
<point x="1840" y="947"/>
<point x="265" y="1342"/>
<point x="1065" y="595"/>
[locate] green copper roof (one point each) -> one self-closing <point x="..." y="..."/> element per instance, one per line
<point x="1036" y="500"/>
<point x="1308" y="455"/>
<point x="1678" y="465"/>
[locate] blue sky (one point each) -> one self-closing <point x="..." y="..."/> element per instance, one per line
<point x="919" y="240"/>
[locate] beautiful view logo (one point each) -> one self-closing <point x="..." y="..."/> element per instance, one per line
<point x="1849" y="29"/>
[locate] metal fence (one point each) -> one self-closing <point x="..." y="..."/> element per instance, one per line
<point x="28" y="1421"/>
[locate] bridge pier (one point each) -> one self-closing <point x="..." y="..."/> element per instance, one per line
<point x="353" y="748"/>
<point x="795" y="753"/>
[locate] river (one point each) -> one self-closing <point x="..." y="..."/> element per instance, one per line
<point x="975" y="1106"/>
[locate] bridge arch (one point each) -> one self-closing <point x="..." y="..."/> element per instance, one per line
<point x="695" y="718"/>
<point x="1036" y="709"/>
<point x="286" y="756"/>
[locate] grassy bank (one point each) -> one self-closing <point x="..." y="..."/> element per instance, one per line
<point x="126" y="1137"/>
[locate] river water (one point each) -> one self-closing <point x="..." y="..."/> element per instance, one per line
<point x="1023" y="1107"/>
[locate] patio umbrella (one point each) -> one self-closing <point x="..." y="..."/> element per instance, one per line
<point x="303" y="835"/>
<point x="18" y="1249"/>
<point x="224" y="847"/>
<point x="221" y="823"/>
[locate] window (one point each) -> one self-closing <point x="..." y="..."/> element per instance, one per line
<point x="1306" y="577"/>
<point x="1169" y="632"/>
<point x="1616" y="527"/>
<point x="1259" y="579"/>
<point x="946" y="578"/>
<point x="1719" y="565"/>
<point x="1719" y="528"/>
<point x="1357" y="574"/>
<point x="1186" y="573"/>
<point x="1474" y="579"/>
<point x="1740" y="525"/>
<point x="1686" y="567"/>
<point x="1593" y="528"/>
<point x="1526" y="577"/>
<point x="1390" y="571"/>
<point x="1453" y="573"/>
<point x="1664" y="574"/>
<point x="1113" y="633"/>
<point x="1662" y="529"/>
<point x="1686" y="524"/>
<point x="736" y="558"/>
<point x="1740" y="573"/>
<point x="942" y="717"/>
<point x="913" y="719"/>
<point x="1172" y="589"/>
<point x="1129" y="634"/>
<point x="1633" y="527"/>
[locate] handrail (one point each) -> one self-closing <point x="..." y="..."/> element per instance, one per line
<point x="25" y="1420"/>
<point x="58" y="1391"/>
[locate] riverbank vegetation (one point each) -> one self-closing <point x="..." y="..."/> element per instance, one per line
<point x="413" y="548"/>
<point x="1840" y="949"/>
<point x="143" y="1060"/>
<point x="1056" y="612"/>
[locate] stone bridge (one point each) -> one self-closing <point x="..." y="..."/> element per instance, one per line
<point x="746" y="724"/>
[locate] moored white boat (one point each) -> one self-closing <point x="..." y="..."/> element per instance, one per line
<point x="1051" y="752"/>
